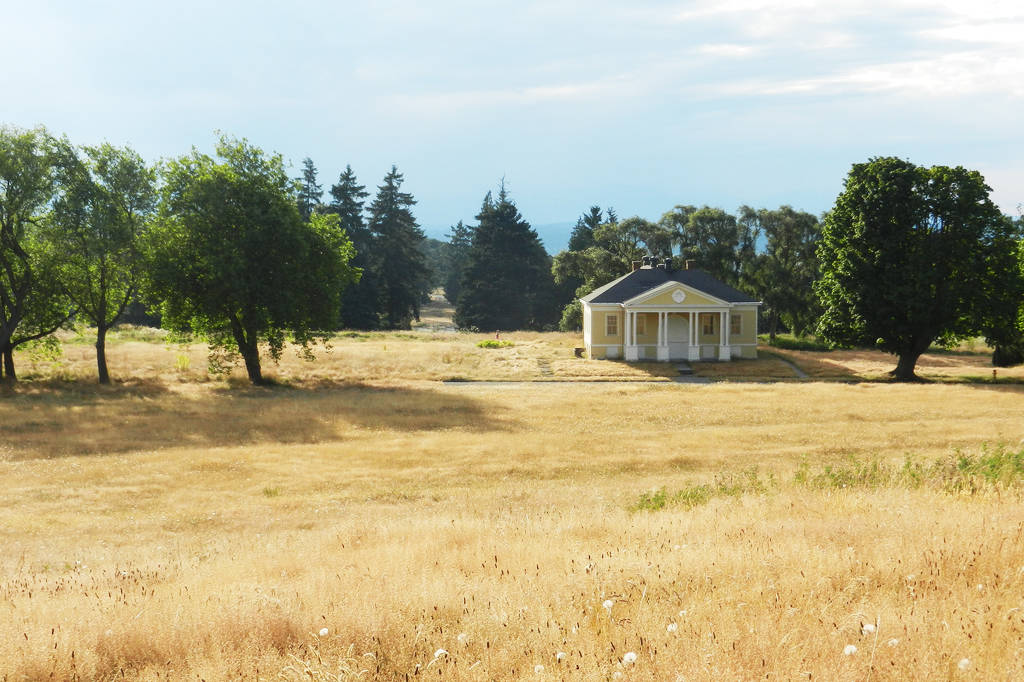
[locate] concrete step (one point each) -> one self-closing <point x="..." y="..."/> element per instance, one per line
<point x="684" y="369"/>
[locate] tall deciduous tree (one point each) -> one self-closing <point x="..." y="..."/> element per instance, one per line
<point x="507" y="281"/>
<point x="783" y="276"/>
<point x="310" y="191"/>
<point x="360" y="303"/>
<point x="1004" y="325"/>
<point x="616" y="245"/>
<point x="230" y="257"/>
<point x="31" y="304"/>
<point x="105" y="199"/>
<point x="713" y="238"/>
<point x="910" y="255"/>
<point x="397" y="260"/>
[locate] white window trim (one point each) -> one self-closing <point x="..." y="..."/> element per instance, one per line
<point x="609" y="319"/>
<point x="739" y="328"/>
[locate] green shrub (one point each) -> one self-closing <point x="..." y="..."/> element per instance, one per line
<point x="494" y="343"/>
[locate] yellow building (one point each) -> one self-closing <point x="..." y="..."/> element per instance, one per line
<point x="660" y="313"/>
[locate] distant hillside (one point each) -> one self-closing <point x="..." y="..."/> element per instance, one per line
<point x="555" y="236"/>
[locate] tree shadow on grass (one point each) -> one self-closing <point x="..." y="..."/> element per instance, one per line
<point x="46" y="423"/>
<point x="816" y="364"/>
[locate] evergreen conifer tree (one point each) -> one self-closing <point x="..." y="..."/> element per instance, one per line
<point x="310" y="192"/>
<point x="507" y="281"/>
<point x="360" y="307"/>
<point x="582" y="236"/>
<point x="460" y="239"/>
<point x="397" y="260"/>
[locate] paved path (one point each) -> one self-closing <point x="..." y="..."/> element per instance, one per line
<point x="534" y="382"/>
<point x="800" y="374"/>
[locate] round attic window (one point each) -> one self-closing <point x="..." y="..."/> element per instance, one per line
<point x="678" y="295"/>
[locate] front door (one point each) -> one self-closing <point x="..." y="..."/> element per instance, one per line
<point x="678" y="336"/>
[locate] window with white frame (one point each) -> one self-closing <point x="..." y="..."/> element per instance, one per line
<point x="611" y="325"/>
<point x="735" y="325"/>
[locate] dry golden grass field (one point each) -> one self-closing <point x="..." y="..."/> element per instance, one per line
<point x="364" y="520"/>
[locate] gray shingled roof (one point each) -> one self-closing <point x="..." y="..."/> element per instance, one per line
<point x="642" y="280"/>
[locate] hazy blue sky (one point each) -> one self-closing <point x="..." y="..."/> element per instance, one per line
<point x="719" y="102"/>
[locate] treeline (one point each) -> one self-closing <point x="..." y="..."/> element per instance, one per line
<point x="228" y="248"/>
<point x="768" y="253"/>
<point x="907" y="257"/>
<point x="232" y="249"/>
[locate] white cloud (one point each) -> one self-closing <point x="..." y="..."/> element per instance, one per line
<point x="725" y="50"/>
<point x="443" y="102"/>
<point x="992" y="32"/>
<point x="953" y="75"/>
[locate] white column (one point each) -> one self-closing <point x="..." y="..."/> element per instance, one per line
<point x="724" y="352"/>
<point x="693" y="352"/>
<point x="663" y="337"/>
<point x="631" y="352"/>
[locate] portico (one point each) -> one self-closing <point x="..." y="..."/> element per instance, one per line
<point x="676" y="335"/>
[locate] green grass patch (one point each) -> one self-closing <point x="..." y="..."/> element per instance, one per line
<point x="725" y="485"/>
<point x="995" y="468"/>
<point x="494" y="343"/>
<point x="791" y="342"/>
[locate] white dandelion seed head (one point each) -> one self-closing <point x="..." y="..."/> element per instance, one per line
<point x="867" y="628"/>
<point x="463" y="638"/>
<point x="672" y="627"/>
<point x="560" y="656"/>
<point x="617" y="675"/>
<point x="850" y="650"/>
<point x="893" y="642"/>
<point x="439" y="653"/>
<point x="964" y="663"/>
<point x="538" y="669"/>
<point x="682" y="614"/>
<point x="324" y="632"/>
<point x="608" y="604"/>
<point x="629" y="658"/>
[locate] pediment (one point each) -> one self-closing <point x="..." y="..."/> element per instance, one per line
<point x="674" y="293"/>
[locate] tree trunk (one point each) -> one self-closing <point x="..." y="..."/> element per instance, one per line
<point x="908" y="357"/>
<point x="908" y="360"/>
<point x="101" y="354"/>
<point x="252" y="365"/>
<point x="8" y="374"/>
<point x="249" y="348"/>
<point x="773" y="326"/>
<point x="905" y="367"/>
